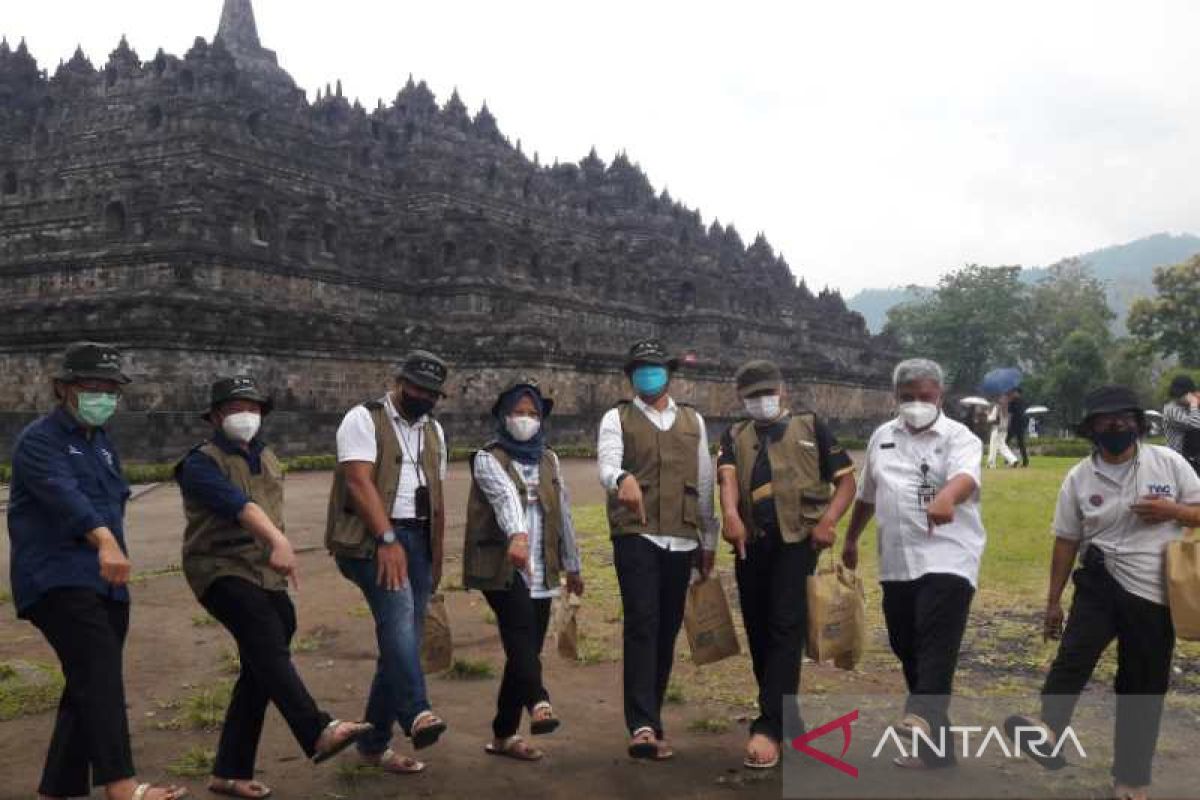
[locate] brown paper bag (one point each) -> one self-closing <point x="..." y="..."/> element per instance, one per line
<point x="568" y="626"/>
<point x="437" y="649"/>
<point x="1183" y="587"/>
<point x="836" y="616"/>
<point x="709" y="623"/>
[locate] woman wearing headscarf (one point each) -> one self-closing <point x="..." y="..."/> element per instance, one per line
<point x="519" y="539"/>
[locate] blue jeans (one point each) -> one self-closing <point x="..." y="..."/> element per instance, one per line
<point x="398" y="690"/>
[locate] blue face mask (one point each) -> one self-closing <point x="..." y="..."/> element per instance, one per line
<point x="649" y="381"/>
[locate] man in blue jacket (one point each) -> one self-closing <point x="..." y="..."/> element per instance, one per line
<point x="70" y="570"/>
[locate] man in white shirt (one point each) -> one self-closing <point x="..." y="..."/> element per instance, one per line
<point x="920" y="480"/>
<point x="654" y="463"/>
<point x="386" y="528"/>
<point x="1120" y="507"/>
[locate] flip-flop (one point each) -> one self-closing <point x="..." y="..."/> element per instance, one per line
<point x="511" y="749"/>
<point x="174" y="792"/>
<point x="548" y="724"/>
<point x="395" y="764"/>
<point x="750" y="762"/>
<point x="324" y="755"/>
<point x="1015" y="721"/>
<point x="645" y="748"/>
<point x="229" y="788"/>
<point x="425" y="735"/>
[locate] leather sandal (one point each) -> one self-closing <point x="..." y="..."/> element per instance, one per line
<point x="546" y="723"/>
<point x="514" y="747"/>
<point x="231" y="787"/>
<point x="329" y="746"/>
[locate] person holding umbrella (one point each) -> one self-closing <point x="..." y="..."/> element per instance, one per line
<point x="1018" y="422"/>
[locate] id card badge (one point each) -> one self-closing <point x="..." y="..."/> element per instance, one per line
<point x="925" y="495"/>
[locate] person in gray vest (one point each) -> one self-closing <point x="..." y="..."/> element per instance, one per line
<point x="775" y="470"/>
<point x="1181" y="419"/>
<point x="237" y="561"/>
<point x="654" y="463"/>
<point x="519" y="539"/>
<point x="385" y="527"/>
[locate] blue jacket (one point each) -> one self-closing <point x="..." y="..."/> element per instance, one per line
<point x="63" y="485"/>
<point x="201" y="480"/>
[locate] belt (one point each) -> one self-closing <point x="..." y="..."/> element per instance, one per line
<point x="411" y="522"/>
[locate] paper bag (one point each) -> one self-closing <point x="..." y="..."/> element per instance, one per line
<point x="836" y="616"/>
<point x="437" y="650"/>
<point x="568" y="627"/>
<point x="709" y="623"/>
<point x="1183" y="587"/>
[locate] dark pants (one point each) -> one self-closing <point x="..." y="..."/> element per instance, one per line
<point x="1100" y="612"/>
<point x="1018" y="433"/>
<point x="772" y="589"/>
<point x="654" y="586"/>
<point x="522" y="622"/>
<point x="91" y="732"/>
<point x="926" y="619"/>
<point x="262" y="624"/>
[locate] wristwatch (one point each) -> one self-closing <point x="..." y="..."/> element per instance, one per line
<point x="388" y="537"/>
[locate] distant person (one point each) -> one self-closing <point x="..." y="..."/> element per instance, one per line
<point x="1181" y="420"/>
<point x="920" y="479"/>
<point x="70" y="569"/>
<point x="654" y="463"/>
<point x="386" y="527"/>
<point x="998" y="434"/>
<point x="778" y="524"/>
<point x="519" y="542"/>
<point x="1118" y="509"/>
<point x="1018" y="423"/>
<point x="237" y="561"/>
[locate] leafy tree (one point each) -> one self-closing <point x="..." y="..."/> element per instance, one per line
<point x="1130" y="363"/>
<point x="1170" y="322"/>
<point x="1069" y="299"/>
<point x="1078" y="366"/>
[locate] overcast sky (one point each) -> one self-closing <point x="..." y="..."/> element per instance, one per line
<point x="876" y="143"/>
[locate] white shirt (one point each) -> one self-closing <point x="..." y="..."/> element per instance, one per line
<point x="356" y="442"/>
<point x="891" y="474"/>
<point x="516" y="514"/>
<point x="610" y="451"/>
<point x="1093" y="507"/>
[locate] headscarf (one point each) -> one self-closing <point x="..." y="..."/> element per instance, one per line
<point x="529" y="452"/>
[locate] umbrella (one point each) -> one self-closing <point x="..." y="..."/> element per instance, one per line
<point x="1033" y="411"/>
<point x="1001" y="380"/>
<point x="1153" y="414"/>
<point x="974" y="401"/>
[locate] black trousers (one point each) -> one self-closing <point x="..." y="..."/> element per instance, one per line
<point x="654" y="586"/>
<point x="91" y="731"/>
<point x="263" y="624"/>
<point x="1100" y="612"/>
<point x="1018" y="433"/>
<point x="522" y="622"/>
<point x="926" y="619"/>
<point x="772" y="589"/>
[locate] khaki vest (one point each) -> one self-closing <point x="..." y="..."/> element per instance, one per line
<point x="346" y="534"/>
<point x="801" y="497"/>
<point x="666" y="467"/>
<point x="485" y="545"/>
<point x="215" y="547"/>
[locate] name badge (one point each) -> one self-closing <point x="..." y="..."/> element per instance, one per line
<point x="925" y="495"/>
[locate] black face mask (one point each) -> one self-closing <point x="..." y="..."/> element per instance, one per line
<point x="414" y="408"/>
<point x="1115" y="442"/>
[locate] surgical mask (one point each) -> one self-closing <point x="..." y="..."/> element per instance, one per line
<point x="242" y="427"/>
<point x="917" y="414"/>
<point x="522" y="428"/>
<point x="649" y="380"/>
<point x="763" y="408"/>
<point x="1115" y="442"/>
<point x="415" y="407"/>
<point x="96" y="408"/>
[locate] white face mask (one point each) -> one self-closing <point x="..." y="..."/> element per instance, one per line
<point x="522" y="428"/>
<point x="918" y="415"/>
<point x="241" y="427"/>
<point x="762" y="408"/>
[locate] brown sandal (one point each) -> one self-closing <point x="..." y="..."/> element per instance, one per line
<point x="643" y="745"/>
<point x="514" y="747"/>
<point x="754" y="759"/>
<point x="546" y="723"/>
<point x="232" y="787"/>
<point x="392" y="762"/>
<point x="328" y="745"/>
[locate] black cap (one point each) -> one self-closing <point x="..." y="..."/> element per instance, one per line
<point x="238" y="387"/>
<point x="83" y="360"/>
<point x="1108" y="400"/>
<point x="1181" y="385"/>
<point x="424" y="369"/>
<point x="523" y="383"/>
<point x="649" y="351"/>
<point x="758" y="376"/>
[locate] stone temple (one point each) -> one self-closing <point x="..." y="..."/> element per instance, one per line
<point x="203" y="214"/>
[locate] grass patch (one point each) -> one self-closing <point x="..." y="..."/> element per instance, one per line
<point x="203" y="709"/>
<point x="28" y="688"/>
<point x="489" y="616"/>
<point x="5" y="597"/>
<point x="351" y="772"/>
<point x="312" y="641"/>
<point x="713" y="725"/>
<point x="675" y="695"/>
<point x="231" y="662"/>
<point x="195" y="763"/>
<point x="360" y="611"/>
<point x="203" y="620"/>
<point x="466" y="669"/>
<point x="149" y="574"/>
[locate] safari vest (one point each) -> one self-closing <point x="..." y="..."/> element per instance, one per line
<point x="216" y="547"/>
<point x="346" y="534"/>
<point x="801" y="496"/>
<point x="665" y="465"/>
<point x="485" y="545"/>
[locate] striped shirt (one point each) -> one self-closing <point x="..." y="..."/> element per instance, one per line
<point x="1177" y="421"/>
<point x="516" y="514"/>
